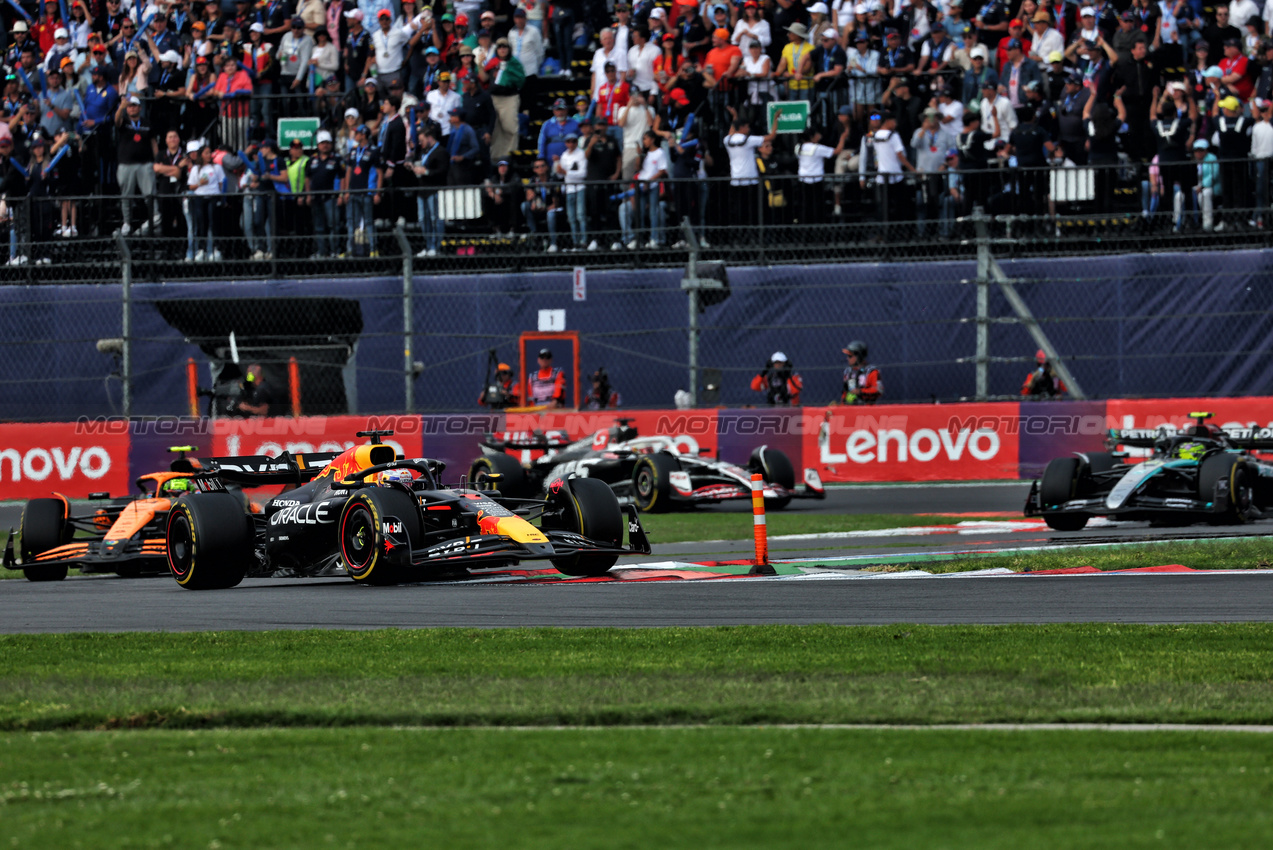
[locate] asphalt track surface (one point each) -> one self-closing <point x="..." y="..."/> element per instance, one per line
<point x="108" y="603"/>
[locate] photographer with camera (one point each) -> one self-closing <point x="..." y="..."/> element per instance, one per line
<point x="602" y="396"/>
<point x="861" y="382"/>
<point x="501" y="390"/>
<point x="779" y="382"/>
<point x="1043" y="381"/>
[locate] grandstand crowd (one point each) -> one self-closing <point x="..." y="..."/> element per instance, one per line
<point x="586" y="124"/>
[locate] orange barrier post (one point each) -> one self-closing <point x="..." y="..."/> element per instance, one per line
<point x="192" y="386"/>
<point x="758" y="518"/>
<point x="294" y="381"/>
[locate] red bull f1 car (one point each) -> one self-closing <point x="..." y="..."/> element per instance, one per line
<point x="385" y="520"/>
<point x="123" y="536"/>
<point x="648" y="472"/>
<point x="1198" y="473"/>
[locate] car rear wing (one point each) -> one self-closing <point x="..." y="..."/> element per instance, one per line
<point x="261" y="470"/>
<point x="1252" y="439"/>
<point x="542" y="440"/>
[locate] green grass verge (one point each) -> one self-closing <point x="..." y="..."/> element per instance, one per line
<point x="769" y="674"/>
<point x="1213" y="554"/>
<point x="636" y="788"/>
<point x="695" y="526"/>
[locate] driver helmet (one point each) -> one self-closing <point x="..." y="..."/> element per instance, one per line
<point x="397" y="476"/>
<point x="1191" y="451"/>
<point x="173" y="485"/>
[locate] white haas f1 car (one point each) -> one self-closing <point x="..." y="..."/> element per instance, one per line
<point x="384" y="520"/>
<point x="1198" y="473"/>
<point x="649" y="472"/>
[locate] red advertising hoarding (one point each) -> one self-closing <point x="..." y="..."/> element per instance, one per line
<point x="74" y="459"/>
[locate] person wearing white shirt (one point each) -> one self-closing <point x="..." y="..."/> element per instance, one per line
<point x="572" y="167"/>
<point x="204" y="182"/>
<point x="951" y="109"/>
<point x="1262" y="153"/>
<point x="654" y="168"/>
<point x="622" y="27"/>
<point x="441" y="101"/>
<point x="641" y="56"/>
<point x="890" y="161"/>
<point x="389" y="41"/>
<point x="811" y="170"/>
<point x="998" y="118"/>
<point x="743" y="174"/>
<point x="1047" y="39"/>
<point x="633" y="120"/>
<point x="1241" y="11"/>
<point x="606" y="53"/>
<point x="527" y="44"/>
<point x="751" y="27"/>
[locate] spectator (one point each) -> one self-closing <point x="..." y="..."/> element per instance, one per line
<point x="504" y="75"/>
<point x="205" y="183"/>
<point x="136" y="157"/>
<point x="543" y="199"/>
<point x="930" y="142"/>
<point x="527" y="44"/>
<point x="552" y="135"/>
<point x="1236" y="74"/>
<point x="634" y="120"/>
<point x="364" y="177"/>
<point x="1138" y="81"/>
<point x="441" y="101"/>
<point x="613" y="95"/>
<point x="1047" y="40"/>
<point x="1208" y="185"/>
<point x="1017" y="73"/>
<point x="432" y="173"/>
<point x="752" y="28"/>
<point x="997" y="115"/>
<point x="357" y="51"/>
<point x="812" y="162"/>
<point x="501" y="198"/>
<point x="1231" y="143"/>
<point x="793" y="60"/>
<point x="322" y="174"/>
<point x="755" y="71"/>
<point x="952" y="200"/>
<point x="563" y="21"/>
<point x="779" y="382"/>
<point x="1043" y="381"/>
<point x="546" y="387"/>
<point x="169" y="168"/>
<point x="744" y="177"/>
<point x="861" y="383"/>
<point x="864" y="83"/>
<point x="641" y="58"/>
<point x="388" y="45"/>
<point x="572" y="167"/>
<point x="295" y="50"/>
<point x="604" y="166"/>
<point x="463" y="147"/>
<point x="693" y="32"/>
<point x="1220" y="30"/>
<point x="977" y="77"/>
<point x="974" y="159"/>
<point x="479" y="113"/>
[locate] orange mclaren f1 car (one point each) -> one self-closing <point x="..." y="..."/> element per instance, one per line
<point x="125" y="536"/>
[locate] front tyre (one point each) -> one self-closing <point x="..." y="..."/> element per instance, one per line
<point x="777" y="469"/>
<point x="652" y="482"/>
<point x="210" y="541"/>
<point x="1060" y="484"/>
<point x="364" y="548"/>
<point x="590" y="508"/>
<point x="43" y="527"/>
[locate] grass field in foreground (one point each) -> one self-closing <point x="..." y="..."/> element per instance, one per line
<point x="1214" y="554"/>
<point x="759" y="674"/>
<point x="636" y="788"/>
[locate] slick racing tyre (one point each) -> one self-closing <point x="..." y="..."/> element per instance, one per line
<point x="652" y="482"/>
<point x="592" y="510"/>
<point x="1230" y="472"/>
<point x="211" y="541"/>
<point x="43" y="527"/>
<point x="514" y="481"/>
<point x="362" y="536"/>
<point x="777" y="469"/>
<point x="1060" y="484"/>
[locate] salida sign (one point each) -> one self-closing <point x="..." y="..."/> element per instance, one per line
<point x="37" y="460"/>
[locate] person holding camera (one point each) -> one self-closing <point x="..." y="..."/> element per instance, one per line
<point x="501" y="391"/>
<point x="602" y="396"/>
<point x="779" y="382"/>
<point x="254" y="395"/>
<point x="861" y="382"/>
<point x="546" y="387"/>
<point x="1043" y="381"/>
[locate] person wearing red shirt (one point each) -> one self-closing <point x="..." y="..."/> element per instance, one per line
<point x="1234" y="68"/>
<point x="1016" y="29"/>
<point x="547" y="386"/>
<point x="43" y="29"/>
<point x="612" y="96"/>
<point x="861" y="382"/>
<point x="779" y="382"/>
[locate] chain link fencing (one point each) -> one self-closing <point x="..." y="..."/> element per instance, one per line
<point x="1129" y="304"/>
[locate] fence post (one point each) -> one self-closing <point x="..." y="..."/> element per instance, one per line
<point x="984" y="260"/>
<point x="407" y="305"/>
<point x="126" y="324"/>
<point x="691" y="284"/>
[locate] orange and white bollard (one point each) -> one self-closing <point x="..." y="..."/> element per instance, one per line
<point x="758" y="518"/>
<point x="192" y="387"/>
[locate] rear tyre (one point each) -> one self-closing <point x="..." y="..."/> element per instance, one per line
<point x="211" y="541"/>
<point x="1060" y="484"/>
<point x="362" y="538"/>
<point x="777" y="469"/>
<point x="1232" y="472"/>
<point x="44" y="527"/>
<point x="514" y="481"/>
<point x="592" y="510"/>
<point x="652" y="482"/>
